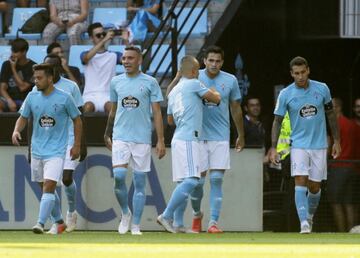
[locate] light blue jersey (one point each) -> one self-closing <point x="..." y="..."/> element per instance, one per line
<point x="71" y="88"/>
<point x="134" y="96"/>
<point x="185" y="105"/>
<point x="307" y="114"/>
<point x="50" y="122"/>
<point x="216" y="119"/>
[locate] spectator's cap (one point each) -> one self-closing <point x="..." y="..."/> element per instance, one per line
<point x="19" y="45"/>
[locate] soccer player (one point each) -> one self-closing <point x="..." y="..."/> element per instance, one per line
<point x="307" y="101"/>
<point x="50" y="109"/>
<point x="134" y="96"/>
<point x="185" y="109"/>
<point x="215" y="137"/>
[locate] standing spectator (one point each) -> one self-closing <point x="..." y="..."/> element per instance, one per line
<point x="26" y="3"/>
<point x="145" y="18"/>
<point x="16" y="77"/>
<point x="66" y="16"/>
<point x="253" y="127"/>
<point x="100" y="68"/>
<point x="67" y="71"/>
<point x="186" y="112"/>
<point x="307" y="102"/>
<point x="51" y="110"/>
<point x="135" y="97"/>
<point x="341" y="182"/>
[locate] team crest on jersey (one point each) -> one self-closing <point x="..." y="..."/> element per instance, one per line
<point x="222" y="86"/>
<point x="46" y="121"/>
<point x="130" y="102"/>
<point x="308" y="111"/>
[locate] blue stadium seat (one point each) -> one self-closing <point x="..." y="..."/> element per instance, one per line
<point x="1" y="24"/>
<point x="37" y="53"/>
<point x="201" y="26"/>
<point x="20" y="15"/>
<point x="108" y="16"/>
<point x="74" y="55"/>
<point x="167" y="61"/>
<point x="5" y="52"/>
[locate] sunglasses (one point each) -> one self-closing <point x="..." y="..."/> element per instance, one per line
<point x="100" y="35"/>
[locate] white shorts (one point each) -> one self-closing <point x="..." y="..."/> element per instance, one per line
<point x="185" y="157"/>
<point x="311" y="163"/>
<point x="214" y="155"/>
<point x="50" y="169"/>
<point x="68" y="163"/>
<point x="98" y="99"/>
<point x="136" y="155"/>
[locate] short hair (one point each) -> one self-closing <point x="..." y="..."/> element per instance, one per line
<point x="93" y="26"/>
<point x="248" y="98"/>
<point x="298" y="61"/>
<point x="19" y="45"/>
<point x="47" y="68"/>
<point x="133" y="48"/>
<point x="187" y="62"/>
<point x="214" y="49"/>
<point x="52" y="46"/>
<point x="53" y="56"/>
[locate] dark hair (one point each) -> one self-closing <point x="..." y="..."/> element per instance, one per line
<point x="52" y="46"/>
<point x="298" y="61"/>
<point x="19" y="45"/>
<point x="93" y="26"/>
<point x="47" y="68"/>
<point x="214" y="49"/>
<point x="248" y="98"/>
<point x="133" y="48"/>
<point x="53" y="56"/>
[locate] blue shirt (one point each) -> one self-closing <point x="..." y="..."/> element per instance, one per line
<point x="71" y="88"/>
<point x="216" y="119"/>
<point x="134" y="96"/>
<point x="306" y="112"/>
<point x="50" y="122"/>
<point x="185" y="105"/>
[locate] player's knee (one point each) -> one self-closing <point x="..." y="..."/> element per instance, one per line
<point x="216" y="177"/>
<point x="139" y="181"/>
<point x="119" y="177"/>
<point x="67" y="181"/>
<point x="314" y="188"/>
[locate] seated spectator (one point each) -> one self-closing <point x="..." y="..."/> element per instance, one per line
<point x="100" y="68"/>
<point x="342" y="184"/>
<point x="68" y="72"/>
<point x="66" y="16"/>
<point x="253" y="127"/>
<point x="145" y="18"/>
<point x="4" y="10"/>
<point x="26" y="3"/>
<point x="16" y="77"/>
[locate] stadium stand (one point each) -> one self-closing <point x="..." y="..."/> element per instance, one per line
<point x="37" y="53"/>
<point x="163" y="65"/>
<point x="110" y="17"/>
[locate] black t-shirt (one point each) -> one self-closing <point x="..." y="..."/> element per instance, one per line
<point x="26" y="74"/>
<point x="254" y="133"/>
<point x="76" y="72"/>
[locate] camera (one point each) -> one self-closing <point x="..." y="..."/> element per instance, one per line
<point x="117" y="32"/>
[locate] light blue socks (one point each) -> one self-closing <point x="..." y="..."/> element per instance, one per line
<point x="216" y="179"/>
<point x="70" y="192"/>
<point x="196" y="197"/>
<point x="56" y="211"/>
<point x="179" y="213"/>
<point x="301" y="202"/>
<point x="313" y="203"/>
<point x="120" y="188"/>
<point x="139" y="198"/>
<point x="47" y="203"/>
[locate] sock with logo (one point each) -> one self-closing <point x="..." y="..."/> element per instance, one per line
<point x="120" y="188"/>
<point x="301" y="202"/>
<point x="139" y="198"/>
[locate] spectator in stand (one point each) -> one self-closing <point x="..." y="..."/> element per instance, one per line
<point x="100" y="68"/>
<point x="66" y="16"/>
<point x="253" y="127"/>
<point x="16" y="77"/>
<point x="341" y="182"/>
<point x="5" y="14"/>
<point x="145" y="19"/>
<point x="68" y="72"/>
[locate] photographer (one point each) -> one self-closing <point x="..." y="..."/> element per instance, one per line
<point x="100" y="68"/>
<point x="66" y="16"/>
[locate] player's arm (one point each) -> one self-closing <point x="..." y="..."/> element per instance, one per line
<point x="334" y="128"/>
<point x="75" y="150"/>
<point x="170" y="120"/>
<point x="159" y="128"/>
<point x="83" y="146"/>
<point x="212" y="96"/>
<point x="19" y="127"/>
<point x="173" y="83"/>
<point x="110" y="126"/>
<point x="275" y="132"/>
<point x="236" y="114"/>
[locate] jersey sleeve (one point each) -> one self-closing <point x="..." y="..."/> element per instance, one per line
<point x="71" y="107"/>
<point x="169" y="109"/>
<point x="280" y="107"/>
<point x="327" y="96"/>
<point x="156" y="95"/>
<point x="200" y="89"/>
<point x="113" y="94"/>
<point x="25" y="110"/>
<point x="82" y="55"/>
<point x="235" y="94"/>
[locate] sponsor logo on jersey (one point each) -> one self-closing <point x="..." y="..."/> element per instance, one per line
<point x="130" y="102"/>
<point x="47" y="121"/>
<point x="209" y="104"/>
<point x="308" y="111"/>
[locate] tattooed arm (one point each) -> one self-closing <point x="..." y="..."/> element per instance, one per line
<point x="275" y="132"/>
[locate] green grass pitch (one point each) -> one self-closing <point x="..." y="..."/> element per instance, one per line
<point x="91" y="244"/>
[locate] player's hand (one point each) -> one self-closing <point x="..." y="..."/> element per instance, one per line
<point x="336" y="150"/>
<point x="83" y="152"/>
<point x="108" y="142"/>
<point x="160" y="149"/>
<point x="273" y="155"/>
<point x="239" y="144"/>
<point x="75" y="152"/>
<point x="16" y="136"/>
